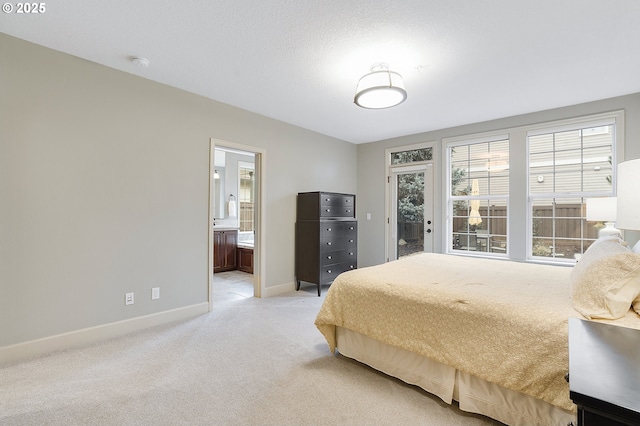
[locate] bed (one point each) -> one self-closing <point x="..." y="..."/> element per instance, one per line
<point x="490" y="334"/>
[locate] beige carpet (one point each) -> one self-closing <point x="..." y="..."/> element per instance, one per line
<point x="249" y="362"/>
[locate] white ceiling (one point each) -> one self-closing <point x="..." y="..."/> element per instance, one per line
<point x="298" y="61"/>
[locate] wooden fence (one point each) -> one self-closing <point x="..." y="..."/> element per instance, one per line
<point x="573" y="234"/>
<point x="569" y="222"/>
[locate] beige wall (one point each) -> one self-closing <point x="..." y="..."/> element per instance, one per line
<point x="371" y="171"/>
<point x="104" y="189"/>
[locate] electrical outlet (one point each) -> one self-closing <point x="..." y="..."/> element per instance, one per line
<point x="155" y="293"/>
<point x="128" y="299"/>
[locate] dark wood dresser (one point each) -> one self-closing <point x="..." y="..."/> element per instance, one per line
<point x="326" y="237"/>
<point x="604" y="373"/>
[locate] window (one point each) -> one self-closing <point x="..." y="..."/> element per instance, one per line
<point x="412" y="156"/>
<point x="478" y="196"/>
<point x="565" y="166"/>
<point x="246" y="197"/>
<point x="532" y="182"/>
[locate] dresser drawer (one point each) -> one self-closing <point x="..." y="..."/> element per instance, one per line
<point x="338" y="256"/>
<point x="330" y="228"/>
<point x="337" y="205"/>
<point x="329" y="273"/>
<point x="337" y="211"/>
<point x="332" y="199"/>
<point x="338" y="243"/>
<point x="325" y="205"/>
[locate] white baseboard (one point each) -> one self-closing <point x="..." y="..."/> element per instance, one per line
<point x="279" y="289"/>
<point x="45" y="345"/>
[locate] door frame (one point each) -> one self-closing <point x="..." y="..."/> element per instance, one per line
<point x="391" y="170"/>
<point x="259" y="247"/>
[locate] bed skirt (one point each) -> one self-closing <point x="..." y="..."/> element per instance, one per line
<point x="474" y="395"/>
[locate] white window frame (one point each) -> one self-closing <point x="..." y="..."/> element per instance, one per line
<point x="450" y="199"/>
<point x="248" y="166"/>
<point x="519" y="219"/>
<point x="616" y="119"/>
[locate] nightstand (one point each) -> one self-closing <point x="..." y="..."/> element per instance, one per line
<point x="604" y="373"/>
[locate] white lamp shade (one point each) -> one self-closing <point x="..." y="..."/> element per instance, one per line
<point x="601" y="209"/>
<point x="380" y="89"/>
<point x="628" y="215"/>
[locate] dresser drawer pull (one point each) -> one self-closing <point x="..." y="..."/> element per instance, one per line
<point x="348" y="210"/>
<point x="351" y="266"/>
<point x="329" y="229"/>
<point x="351" y="254"/>
<point x="350" y="241"/>
<point x="327" y="199"/>
<point x="328" y="243"/>
<point x="328" y="210"/>
<point x="328" y="271"/>
<point x="348" y="200"/>
<point x="329" y="257"/>
<point x="351" y="228"/>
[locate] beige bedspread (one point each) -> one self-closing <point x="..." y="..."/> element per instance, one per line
<point x="502" y="321"/>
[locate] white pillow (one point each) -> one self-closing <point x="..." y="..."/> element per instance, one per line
<point x="606" y="280"/>
<point x="602" y="247"/>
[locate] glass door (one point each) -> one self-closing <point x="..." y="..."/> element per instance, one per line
<point x="411" y="219"/>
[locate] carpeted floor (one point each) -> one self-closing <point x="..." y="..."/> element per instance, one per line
<point x="249" y="362"/>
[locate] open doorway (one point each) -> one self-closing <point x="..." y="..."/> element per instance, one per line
<point x="236" y="215"/>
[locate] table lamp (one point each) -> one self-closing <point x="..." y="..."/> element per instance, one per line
<point x="603" y="209"/>
<point x="628" y="209"/>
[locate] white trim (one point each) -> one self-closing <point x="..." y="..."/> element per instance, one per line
<point x="430" y="210"/>
<point x="210" y="216"/>
<point x="279" y="289"/>
<point x="474" y="139"/>
<point x="489" y="137"/>
<point x="613" y="118"/>
<point x="412" y="147"/>
<point x="98" y="333"/>
<point x="567" y="123"/>
<point x="594" y="120"/>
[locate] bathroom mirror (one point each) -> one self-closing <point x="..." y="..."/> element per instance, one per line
<point x="219" y="193"/>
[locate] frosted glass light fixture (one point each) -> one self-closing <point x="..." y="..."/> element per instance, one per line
<point x="379" y="89"/>
<point x="628" y="199"/>
<point x="603" y="209"/>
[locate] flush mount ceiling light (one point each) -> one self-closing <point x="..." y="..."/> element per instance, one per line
<point x="380" y="88"/>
